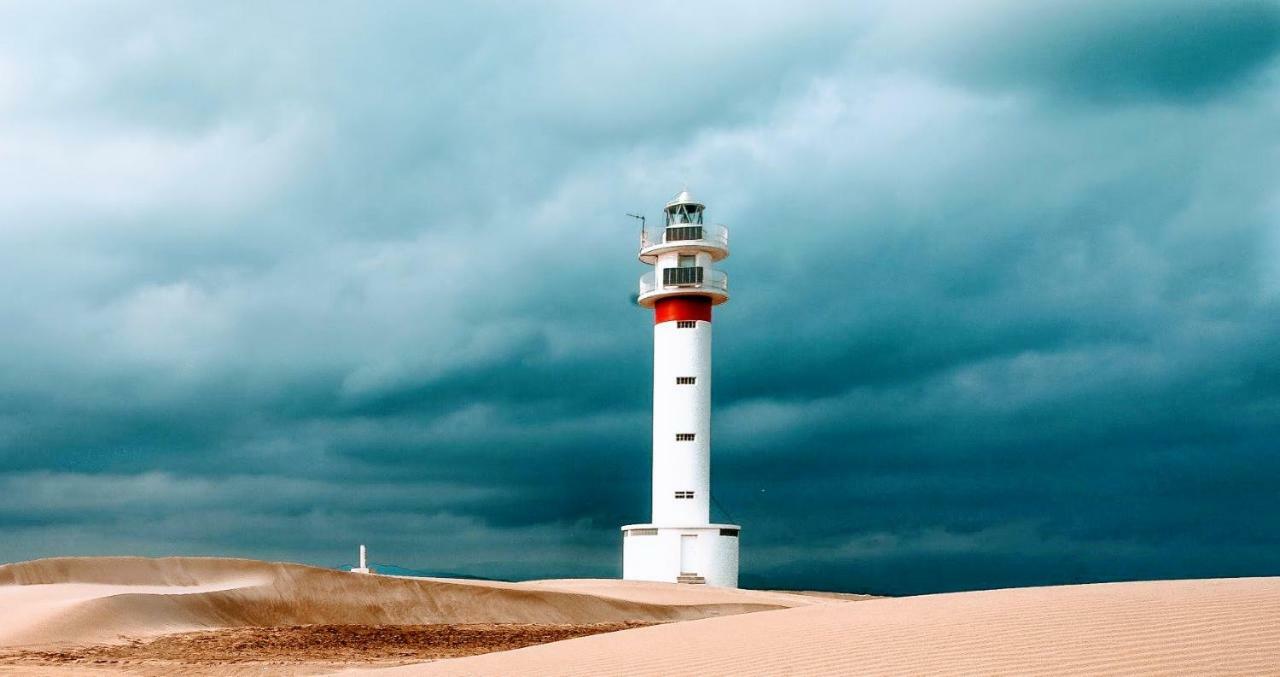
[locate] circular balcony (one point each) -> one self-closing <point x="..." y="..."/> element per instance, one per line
<point x="694" y="281"/>
<point x="712" y="239"/>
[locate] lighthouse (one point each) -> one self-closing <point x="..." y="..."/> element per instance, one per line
<point x="680" y="544"/>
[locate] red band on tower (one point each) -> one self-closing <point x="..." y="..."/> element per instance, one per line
<point x="682" y="308"/>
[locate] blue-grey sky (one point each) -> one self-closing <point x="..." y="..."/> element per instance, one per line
<point x="285" y="277"/>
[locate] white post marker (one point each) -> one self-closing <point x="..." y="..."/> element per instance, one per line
<point x="680" y="545"/>
<point x="364" y="563"/>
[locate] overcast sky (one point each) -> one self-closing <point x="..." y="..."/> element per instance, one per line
<point x="283" y="278"/>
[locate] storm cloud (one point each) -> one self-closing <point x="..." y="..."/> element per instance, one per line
<point x="285" y="278"/>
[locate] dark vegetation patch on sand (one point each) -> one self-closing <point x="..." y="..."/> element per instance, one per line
<point x="317" y="643"/>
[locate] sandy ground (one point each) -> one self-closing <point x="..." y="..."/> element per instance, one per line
<point x="100" y="600"/>
<point x="304" y="649"/>
<point x="208" y="616"/>
<point x="90" y="615"/>
<point x="666" y="593"/>
<point x="1209" y="627"/>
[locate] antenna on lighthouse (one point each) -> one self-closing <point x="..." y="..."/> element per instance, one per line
<point x="641" y="218"/>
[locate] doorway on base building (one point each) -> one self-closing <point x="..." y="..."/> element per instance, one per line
<point x="688" y="548"/>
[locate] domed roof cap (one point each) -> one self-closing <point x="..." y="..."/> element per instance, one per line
<point x="684" y="198"/>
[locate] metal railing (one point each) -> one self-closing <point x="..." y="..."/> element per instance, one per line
<point x="713" y="234"/>
<point x="710" y="279"/>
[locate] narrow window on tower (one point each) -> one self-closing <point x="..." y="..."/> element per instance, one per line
<point x="686" y="324"/>
<point x="684" y="494"/>
<point x="686" y="380"/>
<point x="684" y="437"/>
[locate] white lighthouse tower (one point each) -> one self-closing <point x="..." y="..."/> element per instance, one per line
<point x="681" y="545"/>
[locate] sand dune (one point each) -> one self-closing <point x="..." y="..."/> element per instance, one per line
<point x="667" y="593"/>
<point x="1226" y="626"/>
<point x="1221" y="627"/>
<point x="100" y="599"/>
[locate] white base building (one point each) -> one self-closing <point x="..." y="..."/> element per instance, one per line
<point x="706" y="553"/>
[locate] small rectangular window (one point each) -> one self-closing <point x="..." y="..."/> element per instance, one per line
<point x="684" y="494"/>
<point x="686" y="324"/>
<point x="684" y="437"/>
<point x="686" y="380"/>
<point x="687" y="276"/>
<point x="729" y="532"/>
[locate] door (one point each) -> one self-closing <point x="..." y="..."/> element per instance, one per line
<point x="688" y="546"/>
